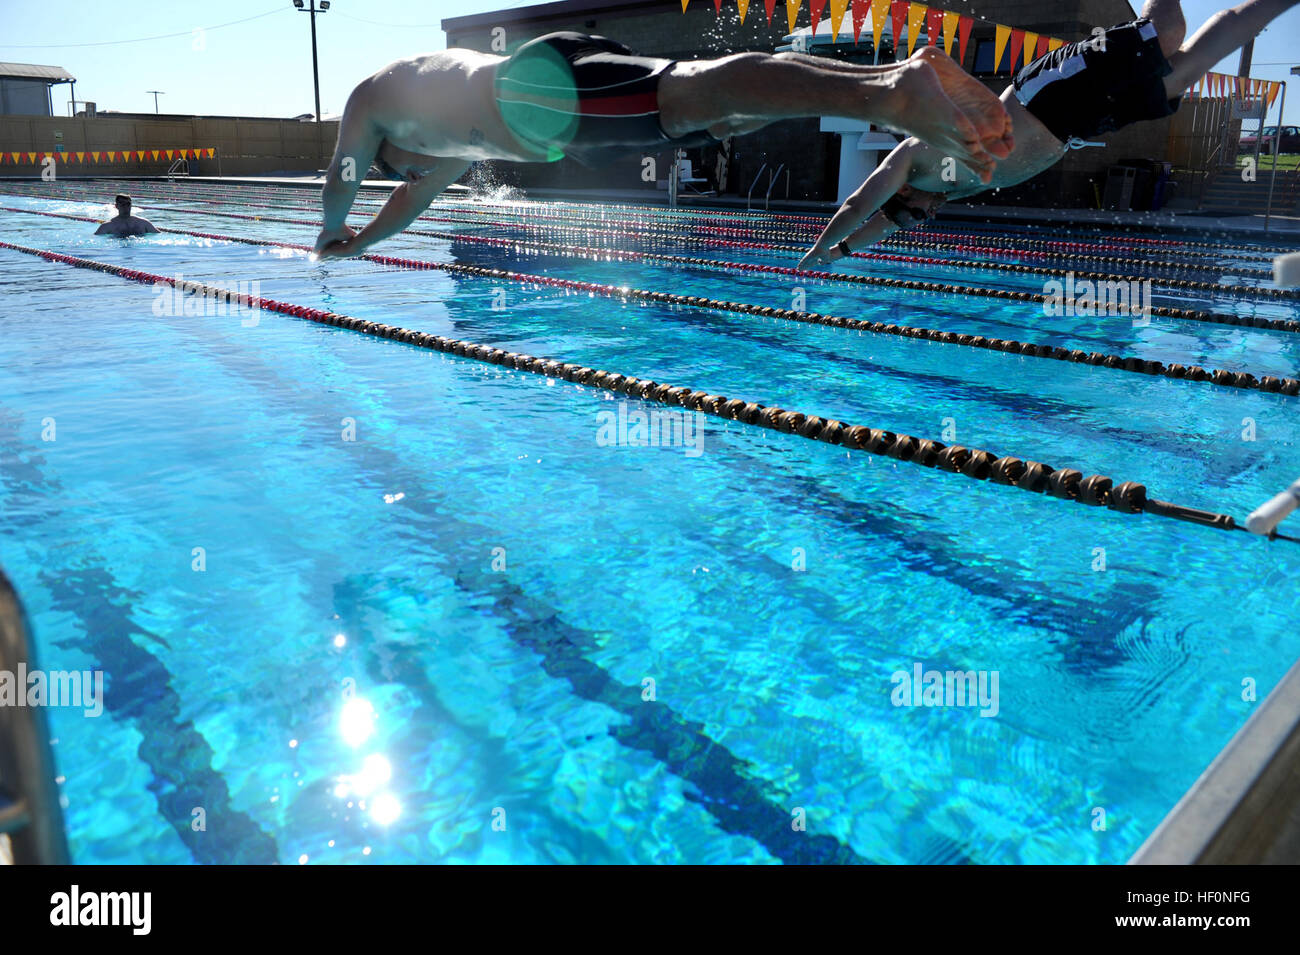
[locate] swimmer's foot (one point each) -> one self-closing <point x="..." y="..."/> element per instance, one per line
<point x="945" y="107"/>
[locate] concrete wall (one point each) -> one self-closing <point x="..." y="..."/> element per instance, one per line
<point x="246" y="146"/>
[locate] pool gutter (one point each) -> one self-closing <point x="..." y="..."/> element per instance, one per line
<point x="1245" y="808"/>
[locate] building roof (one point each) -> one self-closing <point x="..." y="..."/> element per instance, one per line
<point x="33" y="71"/>
<point x="545" y="11"/>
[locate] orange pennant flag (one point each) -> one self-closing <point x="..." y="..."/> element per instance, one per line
<point x="95" y="156"/>
<point x="1000" y="36"/>
<point x="1274" y="89"/>
<point x="949" y="29"/>
<point x="1031" y="42"/>
<point x="878" y="10"/>
<point x="171" y="153"/>
<point x="211" y="152"/>
<point x="684" y="2"/>
<point x="838" y="9"/>
<point x="155" y="153"/>
<point x="14" y="157"/>
<point x="915" y="14"/>
<point x="792" y="12"/>
<point x="743" y="7"/>
<point x="1054" y="44"/>
<point x="31" y="157"/>
<point x="81" y="157"/>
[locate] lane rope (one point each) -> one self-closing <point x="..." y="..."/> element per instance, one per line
<point x="1066" y="484"/>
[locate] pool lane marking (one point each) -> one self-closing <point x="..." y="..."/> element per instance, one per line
<point x="140" y="693"/>
<point x="913" y="240"/>
<point x="1067" y="484"/>
<point x="1271" y="384"/>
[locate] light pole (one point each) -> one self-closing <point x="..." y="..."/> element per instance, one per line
<point x="313" y="9"/>
<point x="156" y="94"/>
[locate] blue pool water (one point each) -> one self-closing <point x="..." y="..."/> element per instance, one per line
<point x="430" y="643"/>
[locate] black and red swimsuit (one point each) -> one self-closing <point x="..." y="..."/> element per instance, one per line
<point x="583" y="96"/>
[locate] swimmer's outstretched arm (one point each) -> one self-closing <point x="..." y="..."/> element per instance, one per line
<point x="360" y="137"/>
<point x="861" y="207"/>
<point x="402" y="208"/>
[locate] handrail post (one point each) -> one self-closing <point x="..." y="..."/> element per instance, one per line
<point x="1277" y="149"/>
<point x="749" y="195"/>
<point x="26" y="763"/>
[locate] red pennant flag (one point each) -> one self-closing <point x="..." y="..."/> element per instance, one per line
<point x="933" y="25"/>
<point x="815" y="7"/>
<point x="963" y="34"/>
<point x="860" y="8"/>
<point x="898" y="16"/>
<point x="1042" y="47"/>
<point x="769" y="6"/>
<point x="1017" y="45"/>
<point x="717" y="5"/>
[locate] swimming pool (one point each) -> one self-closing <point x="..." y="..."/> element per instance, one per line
<point x="431" y="590"/>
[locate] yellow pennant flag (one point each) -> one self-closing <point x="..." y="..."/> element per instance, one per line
<point x="31" y="157"/>
<point x="95" y="156"/>
<point x="742" y="5"/>
<point x="838" y="9"/>
<point x="684" y="2"/>
<point x="1053" y="43"/>
<point x="915" y="14"/>
<point x="81" y="157"/>
<point x="792" y="11"/>
<point x="211" y="152"/>
<point x="879" y="10"/>
<point x="171" y="153"/>
<point x="949" y="29"/>
<point x="1031" y="41"/>
<point x="14" y="157"/>
<point x="1274" y="89"/>
<point x="1000" y="36"/>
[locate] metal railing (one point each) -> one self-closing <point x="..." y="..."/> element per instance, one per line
<point x="29" y="800"/>
<point x="771" y="181"/>
<point x="752" y="185"/>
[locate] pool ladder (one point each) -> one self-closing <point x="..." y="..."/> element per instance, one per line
<point x="29" y="799"/>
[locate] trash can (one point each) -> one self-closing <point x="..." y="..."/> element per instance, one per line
<point x="1120" y="181"/>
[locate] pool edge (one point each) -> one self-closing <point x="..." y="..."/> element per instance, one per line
<point x="1245" y="807"/>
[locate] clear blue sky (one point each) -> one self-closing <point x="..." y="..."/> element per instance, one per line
<point x="262" y="67"/>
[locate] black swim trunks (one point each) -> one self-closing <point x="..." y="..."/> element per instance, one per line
<point x="583" y="96"/>
<point x="1100" y="84"/>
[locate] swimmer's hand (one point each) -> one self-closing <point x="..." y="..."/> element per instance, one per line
<point x="820" y="254"/>
<point x="330" y="237"/>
